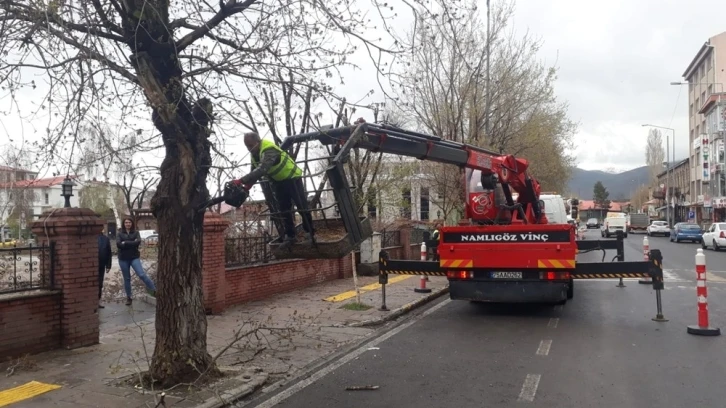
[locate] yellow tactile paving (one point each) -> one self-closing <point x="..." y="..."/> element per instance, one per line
<point x="373" y="286"/>
<point x="25" y="391"/>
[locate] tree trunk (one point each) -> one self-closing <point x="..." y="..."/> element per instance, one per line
<point x="180" y="353"/>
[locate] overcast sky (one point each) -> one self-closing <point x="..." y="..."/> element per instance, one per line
<point x="616" y="60"/>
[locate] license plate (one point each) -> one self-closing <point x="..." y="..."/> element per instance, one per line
<point x="506" y="275"/>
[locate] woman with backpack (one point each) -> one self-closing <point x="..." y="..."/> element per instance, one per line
<point x="127" y="242"/>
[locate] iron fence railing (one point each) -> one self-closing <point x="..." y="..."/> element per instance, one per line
<point x="390" y="238"/>
<point x="26" y="268"/>
<point x="244" y="251"/>
<point x="417" y="236"/>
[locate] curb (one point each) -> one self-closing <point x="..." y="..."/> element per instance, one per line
<point x="146" y="298"/>
<point x="401" y="310"/>
<point x="255" y="381"/>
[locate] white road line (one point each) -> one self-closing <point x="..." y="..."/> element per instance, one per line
<point x="544" y="347"/>
<point x="553" y="322"/>
<point x="529" y="388"/>
<point x="345" y="359"/>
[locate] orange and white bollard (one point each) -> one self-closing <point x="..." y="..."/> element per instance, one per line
<point x="703" y="328"/>
<point x="646" y="250"/>
<point x="422" y="285"/>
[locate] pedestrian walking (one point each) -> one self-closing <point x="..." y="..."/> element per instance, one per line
<point x="105" y="257"/>
<point x="127" y="242"/>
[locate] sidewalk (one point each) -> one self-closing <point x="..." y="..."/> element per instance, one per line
<point x="275" y="339"/>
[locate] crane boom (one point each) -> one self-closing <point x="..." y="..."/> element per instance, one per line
<point x="489" y="173"/>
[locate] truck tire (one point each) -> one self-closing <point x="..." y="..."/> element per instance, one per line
<point x="571" y="290"/>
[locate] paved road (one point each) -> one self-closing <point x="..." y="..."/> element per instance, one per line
<point x="599" y="350"/>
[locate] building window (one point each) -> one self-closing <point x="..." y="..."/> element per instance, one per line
<point x="425" y="203"/>
<point x="372" y="199"/>
<point x="406" y="204"/>
<point x="47" y="198"/>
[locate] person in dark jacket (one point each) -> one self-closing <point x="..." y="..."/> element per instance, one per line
<point x="127" y="242"/>
<point x="104" y="262"/>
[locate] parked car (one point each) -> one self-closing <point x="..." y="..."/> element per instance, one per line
<point x="715" y="237"/>
<point x="684" y="231"/>
<point x="593" y="223"/>
<point x="9" y="243"/>
<point x="659" y="228"/>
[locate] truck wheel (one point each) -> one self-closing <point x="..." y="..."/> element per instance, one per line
<point x="571" y="289"/>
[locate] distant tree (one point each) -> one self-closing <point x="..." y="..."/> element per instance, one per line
<point x="654" y="156"/>
<point x="639" y="197"/>
<point x="600" y="195"/>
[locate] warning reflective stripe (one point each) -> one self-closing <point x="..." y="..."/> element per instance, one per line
<point x="422" y="273"/>
<point x="456" y="263"/>
<point x="556" y="263"/>
<point x="608" y="275"/>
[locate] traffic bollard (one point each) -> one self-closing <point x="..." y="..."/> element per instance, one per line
<point x="646" y="249"/>
<point x="422" y="283"/>
<point x="424" y="255"/>
<point x="703" y="328"/>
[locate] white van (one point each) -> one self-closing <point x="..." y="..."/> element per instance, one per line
<point x="554" y="208"/>
<point x="613" y="224"/>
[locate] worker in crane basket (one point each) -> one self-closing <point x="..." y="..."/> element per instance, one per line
<point x="285" y="177"/>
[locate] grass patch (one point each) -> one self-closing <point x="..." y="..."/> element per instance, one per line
<point x="356" y="306"/>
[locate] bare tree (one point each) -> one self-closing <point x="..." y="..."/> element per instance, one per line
<point x="654" y="156"/>
<point x="16" y="196"/>
<point x="178" y="63"/>
<point x="639" y="197"/>
<point x="446" y="91"/>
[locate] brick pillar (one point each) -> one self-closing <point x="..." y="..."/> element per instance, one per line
<point x="74" y="232"/>
<point x="405" y="241"/>
<point x="213" y="263"/>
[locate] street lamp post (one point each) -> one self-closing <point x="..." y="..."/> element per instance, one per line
<point x="668" y="171"/>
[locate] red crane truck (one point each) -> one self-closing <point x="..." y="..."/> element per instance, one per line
<point x="504" y="251"/>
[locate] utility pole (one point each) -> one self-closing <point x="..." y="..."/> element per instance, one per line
<point x="486" y="109"/>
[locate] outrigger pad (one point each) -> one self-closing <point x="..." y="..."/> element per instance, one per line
<point x="332" y="241"/>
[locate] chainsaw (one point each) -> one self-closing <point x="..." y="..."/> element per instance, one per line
<point x="233" y="194"/>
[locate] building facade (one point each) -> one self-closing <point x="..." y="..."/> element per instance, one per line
<point x="676" y="197"/>
<point x="706" y="77"/>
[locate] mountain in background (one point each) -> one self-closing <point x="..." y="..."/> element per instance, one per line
<point x="620" y="185"/>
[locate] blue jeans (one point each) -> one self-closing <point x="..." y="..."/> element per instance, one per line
<point x="126" y="266"/>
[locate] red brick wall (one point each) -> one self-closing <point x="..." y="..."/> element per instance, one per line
<point x="258" y="282"/>
<point x="30" y="322"/>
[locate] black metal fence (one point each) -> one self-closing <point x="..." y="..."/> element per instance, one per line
<point x="390" y="238"/>
<point x="246" y="251"/>
<point x="417" y="235"/>
<point x="26" y="268"/>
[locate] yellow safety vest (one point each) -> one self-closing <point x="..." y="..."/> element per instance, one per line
<point x="285" y="169"/>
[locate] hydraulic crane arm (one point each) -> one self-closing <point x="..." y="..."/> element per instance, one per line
<point x="493" y="169"/>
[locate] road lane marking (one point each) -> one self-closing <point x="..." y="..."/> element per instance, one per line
<point x="25" y="391"/>
<point x="529" y="388"/>
<point x="373" y="286"/>
<point x="553" y="322"/>
<point x="316" y="376"/>
<point x="544" y="347"/>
